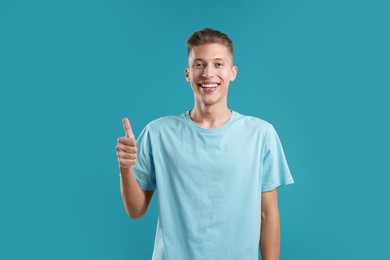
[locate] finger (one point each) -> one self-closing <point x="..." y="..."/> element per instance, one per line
<point x="127" y="141"/>
<point x="123" y="155"/>
<point x="126" y="162"/>
<point x="126" y="148"/>
<point x="127" y="127"/>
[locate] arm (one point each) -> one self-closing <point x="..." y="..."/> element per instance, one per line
<point x="135" y="200"/>
<point x="270" y="226"/>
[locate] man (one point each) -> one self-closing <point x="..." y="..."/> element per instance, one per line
<point x="216" y="171"/>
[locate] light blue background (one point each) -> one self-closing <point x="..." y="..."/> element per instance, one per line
<point x="70" y="70"/>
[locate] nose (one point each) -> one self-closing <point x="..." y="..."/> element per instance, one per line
<point x="208" y="72"/>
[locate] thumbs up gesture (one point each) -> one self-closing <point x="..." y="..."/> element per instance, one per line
<point x="126" y="148"/>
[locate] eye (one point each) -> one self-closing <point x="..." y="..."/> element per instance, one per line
<point x="198" y="65"/>
<point x="218" y="65"/>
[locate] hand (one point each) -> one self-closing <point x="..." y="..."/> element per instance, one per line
<point x="126" y="147"/>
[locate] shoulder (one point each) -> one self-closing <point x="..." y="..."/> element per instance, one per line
<point x="252" y="122"/>
<point x="166" y="123"/>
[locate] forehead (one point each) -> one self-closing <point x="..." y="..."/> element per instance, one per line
<point x="210" y="51"/>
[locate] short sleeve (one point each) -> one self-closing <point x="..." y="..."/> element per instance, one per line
<point x="144" y="166"/>
<point x="275" y="170"/>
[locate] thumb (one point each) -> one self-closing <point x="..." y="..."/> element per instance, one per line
<point x="127" y="127"/>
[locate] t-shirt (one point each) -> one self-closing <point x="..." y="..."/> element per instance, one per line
<point x="209" y="184"/>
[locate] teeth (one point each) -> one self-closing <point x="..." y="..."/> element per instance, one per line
<point x="209" y="85"/>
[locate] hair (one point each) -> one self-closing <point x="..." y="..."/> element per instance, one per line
<point x="208" y="35"/>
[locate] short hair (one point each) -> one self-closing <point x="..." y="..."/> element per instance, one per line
<point x="208" y="35"/>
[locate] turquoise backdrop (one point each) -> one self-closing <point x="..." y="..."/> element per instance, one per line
<point x="70" y="70"/>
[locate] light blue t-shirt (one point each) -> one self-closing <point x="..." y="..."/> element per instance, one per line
<point x="209" y="184"/>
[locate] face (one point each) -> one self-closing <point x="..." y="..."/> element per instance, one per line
<point x="210" y="70"/>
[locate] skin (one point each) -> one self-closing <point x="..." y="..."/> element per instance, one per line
<point x="210" y="63"/>
<point x="270" y="226"/>
<point x="135" y="199"/>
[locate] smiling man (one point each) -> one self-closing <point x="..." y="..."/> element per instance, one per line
<point x="215" y="170"/>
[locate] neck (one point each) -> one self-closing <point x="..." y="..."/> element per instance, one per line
<point x="210" y="116"/>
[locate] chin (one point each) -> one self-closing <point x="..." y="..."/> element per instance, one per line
<point x="209" y="102"/>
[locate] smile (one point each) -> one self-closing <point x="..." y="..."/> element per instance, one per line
<point x="211" y="87"/>
<point x="214" y="85"/>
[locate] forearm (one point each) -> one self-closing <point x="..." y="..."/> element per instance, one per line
<point x="133" y="196"/>
<point x="270" y="236"/>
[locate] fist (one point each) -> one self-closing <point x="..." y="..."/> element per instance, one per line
<point x="126" y="148"/>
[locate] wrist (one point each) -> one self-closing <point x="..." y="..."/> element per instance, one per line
<point x="125" y="170"/>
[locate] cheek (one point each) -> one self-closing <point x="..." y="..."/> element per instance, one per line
<point x="224" y="74"/>
<point x="194" y="75"/>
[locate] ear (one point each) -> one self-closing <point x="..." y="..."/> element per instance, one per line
<point x="187" y="74"/>
<point x="234" y="73"/>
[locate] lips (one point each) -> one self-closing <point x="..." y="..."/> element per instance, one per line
<point x="209" y="86"/>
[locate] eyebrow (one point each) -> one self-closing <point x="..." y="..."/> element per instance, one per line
<point x="216" y="59"/>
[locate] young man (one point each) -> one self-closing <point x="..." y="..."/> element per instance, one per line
<point x="216" y="171"/>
